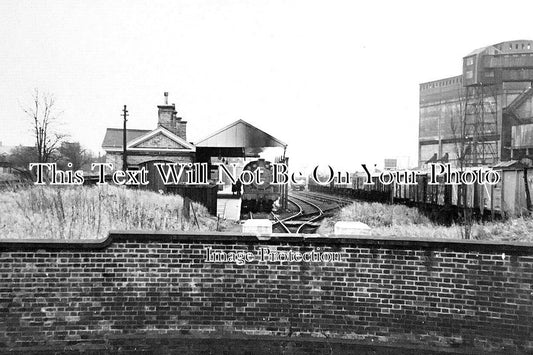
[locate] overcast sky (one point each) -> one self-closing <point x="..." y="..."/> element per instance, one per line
<point x="336" y="80"/>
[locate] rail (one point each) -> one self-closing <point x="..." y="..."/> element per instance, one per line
<point x="313" y="219"/>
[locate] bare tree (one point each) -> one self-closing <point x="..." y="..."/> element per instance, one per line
<point x="45" y="121"/>
<point x="462" y="147"/>
<point x="527" y="163"/>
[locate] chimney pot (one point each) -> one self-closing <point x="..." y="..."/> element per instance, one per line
<point x="166" y="98"/>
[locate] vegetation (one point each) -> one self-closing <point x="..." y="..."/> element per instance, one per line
<point x="21" y="157"/>
<point x="402" y="221"/>
<point x="51" y="145"/>
<point x="7" y="177"/>
<point x="67" y="153"/>
<point x="90" y="212"/>
<point x="44" y="119"/>
<point x="74" y="154"/>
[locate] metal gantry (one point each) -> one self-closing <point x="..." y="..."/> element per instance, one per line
<point x="480" y="125"/>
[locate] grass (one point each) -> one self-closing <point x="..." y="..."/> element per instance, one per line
<point x="90" y="212"/>
<point x="402" y="221"/>
<point x="8" y="177"/>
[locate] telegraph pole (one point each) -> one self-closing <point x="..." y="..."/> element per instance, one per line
<point x="124" y="152"/>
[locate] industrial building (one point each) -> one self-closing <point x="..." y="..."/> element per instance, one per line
<point x="483" y="116"/>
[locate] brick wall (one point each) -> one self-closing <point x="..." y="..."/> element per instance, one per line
<point x="136" y="286"/>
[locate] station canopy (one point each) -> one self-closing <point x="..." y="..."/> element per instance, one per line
<point x="239" y="139"/>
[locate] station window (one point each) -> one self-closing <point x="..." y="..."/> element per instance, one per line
<point x="469" y="74"/>
<point x="469" y="61"/>
<point x="489" y="74"/>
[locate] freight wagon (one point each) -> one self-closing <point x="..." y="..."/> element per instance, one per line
<point x="446" y="201"/>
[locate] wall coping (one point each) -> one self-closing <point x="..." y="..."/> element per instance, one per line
<point x="391" y="242"/>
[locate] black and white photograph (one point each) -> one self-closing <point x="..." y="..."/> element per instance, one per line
<point x="266" y="177"/>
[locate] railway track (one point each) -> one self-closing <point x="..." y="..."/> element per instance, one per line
<point x="311" y="209"/>
<point x="294" y="223"/>
<point x="307" y="221"/>
<point x="327" y="198"/>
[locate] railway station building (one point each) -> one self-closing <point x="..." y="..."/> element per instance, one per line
<point x="484" y="115"/>
<point x="237" y="143"/>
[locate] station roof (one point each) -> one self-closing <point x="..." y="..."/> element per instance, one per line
<point x="113" y="136"/>
<point x="240" y="134"/>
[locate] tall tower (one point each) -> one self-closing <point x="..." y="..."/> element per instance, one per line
<point x="481" y="135"/>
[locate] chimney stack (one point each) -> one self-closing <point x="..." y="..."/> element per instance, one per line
<point x="169" y="120"/>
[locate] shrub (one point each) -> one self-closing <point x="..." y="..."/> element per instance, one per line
<point x="90" y="212"/>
